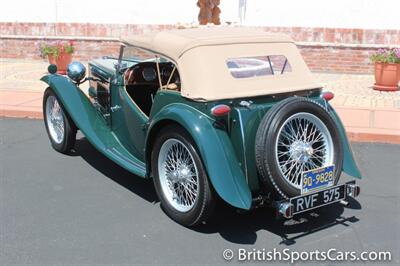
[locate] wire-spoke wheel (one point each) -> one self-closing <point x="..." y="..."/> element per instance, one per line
<point x="303" y="143"/>
<point x="60" y="129"/>
<point x="178" y="175"/>
<point x="180" y="178"/>
<point x="296" y="135"/>
<point x="55" y="119"/>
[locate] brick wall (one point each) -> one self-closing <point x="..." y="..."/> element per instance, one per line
<point x="337" y="59"/>
<point x="324" y="49"/>
<point x="84" y="49"/>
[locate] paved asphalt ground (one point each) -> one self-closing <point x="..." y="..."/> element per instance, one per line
<point x="84" y="209"/>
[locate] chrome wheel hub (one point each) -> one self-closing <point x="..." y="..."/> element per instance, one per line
<point x="55" y="119"/>
<point x="182" y="174"/>
<point x="301" y="151"/>
<point x="303" y="143"/>
<point x="178" y="175"/>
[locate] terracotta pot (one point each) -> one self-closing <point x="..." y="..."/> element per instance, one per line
<point x="387" y="76"/>
<point x="62" y="62"/>
<point x="52" y="59"/>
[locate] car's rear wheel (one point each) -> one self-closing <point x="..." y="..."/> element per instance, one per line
<point x="59" y="127"/>
<point x="296" y="135"/>
<point x="180" y="178"/>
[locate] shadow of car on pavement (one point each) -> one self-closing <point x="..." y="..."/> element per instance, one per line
<point x="235" y="226"/>
<point x="140" y="186"/>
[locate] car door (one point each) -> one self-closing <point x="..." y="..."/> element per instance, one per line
<point x="128" y="122"/>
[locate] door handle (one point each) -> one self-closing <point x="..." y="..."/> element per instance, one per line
<point x="115" y="108"/>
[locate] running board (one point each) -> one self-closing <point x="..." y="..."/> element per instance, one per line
<point x="107" y="143"/>
<point x="136" y="166"/>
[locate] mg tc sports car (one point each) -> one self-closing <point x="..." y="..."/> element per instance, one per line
<point x="209" y="114"/>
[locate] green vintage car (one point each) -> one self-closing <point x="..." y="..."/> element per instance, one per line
<point x="209" y="114"/>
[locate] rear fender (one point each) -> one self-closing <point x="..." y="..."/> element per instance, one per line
<point x="349" y="164"/>
<point x="215" y="148"/>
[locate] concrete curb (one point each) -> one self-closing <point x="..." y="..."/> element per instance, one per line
<point x="373" y="137"/>
<point x="371" y="125"/>
<point x="12" y="113"/>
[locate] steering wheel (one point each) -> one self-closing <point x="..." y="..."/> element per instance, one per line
<point x="129" y="77"/>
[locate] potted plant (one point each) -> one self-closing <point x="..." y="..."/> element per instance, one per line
<point x="58" y="53"/>
<point x="387" y="69"/>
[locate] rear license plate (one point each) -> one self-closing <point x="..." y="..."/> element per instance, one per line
<point x="318" y="199"/>
<point x="316" y="179"/>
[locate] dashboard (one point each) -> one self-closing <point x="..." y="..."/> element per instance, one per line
<point x="145" y="73"/>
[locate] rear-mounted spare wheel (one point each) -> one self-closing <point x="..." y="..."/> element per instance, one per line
<point x="296" y="135"/>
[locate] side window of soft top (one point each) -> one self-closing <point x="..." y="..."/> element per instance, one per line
<point x="146" y="66"/>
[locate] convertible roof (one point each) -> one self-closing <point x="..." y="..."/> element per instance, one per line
<point x="201" y="56"/>
<point x="175" y="43"/>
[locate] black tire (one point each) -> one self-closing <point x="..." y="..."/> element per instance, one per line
<point x="204" y="204"/>
<point x="267" y="134"/>
<point x="68" y="141"/>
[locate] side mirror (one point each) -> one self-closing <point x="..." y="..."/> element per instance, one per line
<point x="76" y="71"/>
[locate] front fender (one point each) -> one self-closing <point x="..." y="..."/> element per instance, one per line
<point x="77" y="105"/>
<point x="92" y="124"/>
<point x="215" y="149"/>
<point x="349" y="165"/>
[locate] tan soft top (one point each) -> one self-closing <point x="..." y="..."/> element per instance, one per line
<point x="201" y="56"/>
<point x="174" y="43"/>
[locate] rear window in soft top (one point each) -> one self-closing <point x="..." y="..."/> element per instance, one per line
<point x="247" y="67"/>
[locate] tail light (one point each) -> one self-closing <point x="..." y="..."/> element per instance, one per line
<point x="327" y="95"/>
<point x="220" y="110"/>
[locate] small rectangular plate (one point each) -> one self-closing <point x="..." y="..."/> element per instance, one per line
<point x="318" y="178"/>
<point x="318" y="199"/>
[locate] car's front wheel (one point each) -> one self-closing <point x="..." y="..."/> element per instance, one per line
<point x="59" y="127"/>
<point x="180" y="178"/>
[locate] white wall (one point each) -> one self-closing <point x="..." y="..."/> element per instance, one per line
<point x="368" y="14"/>
<point x="100" y="11"/>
